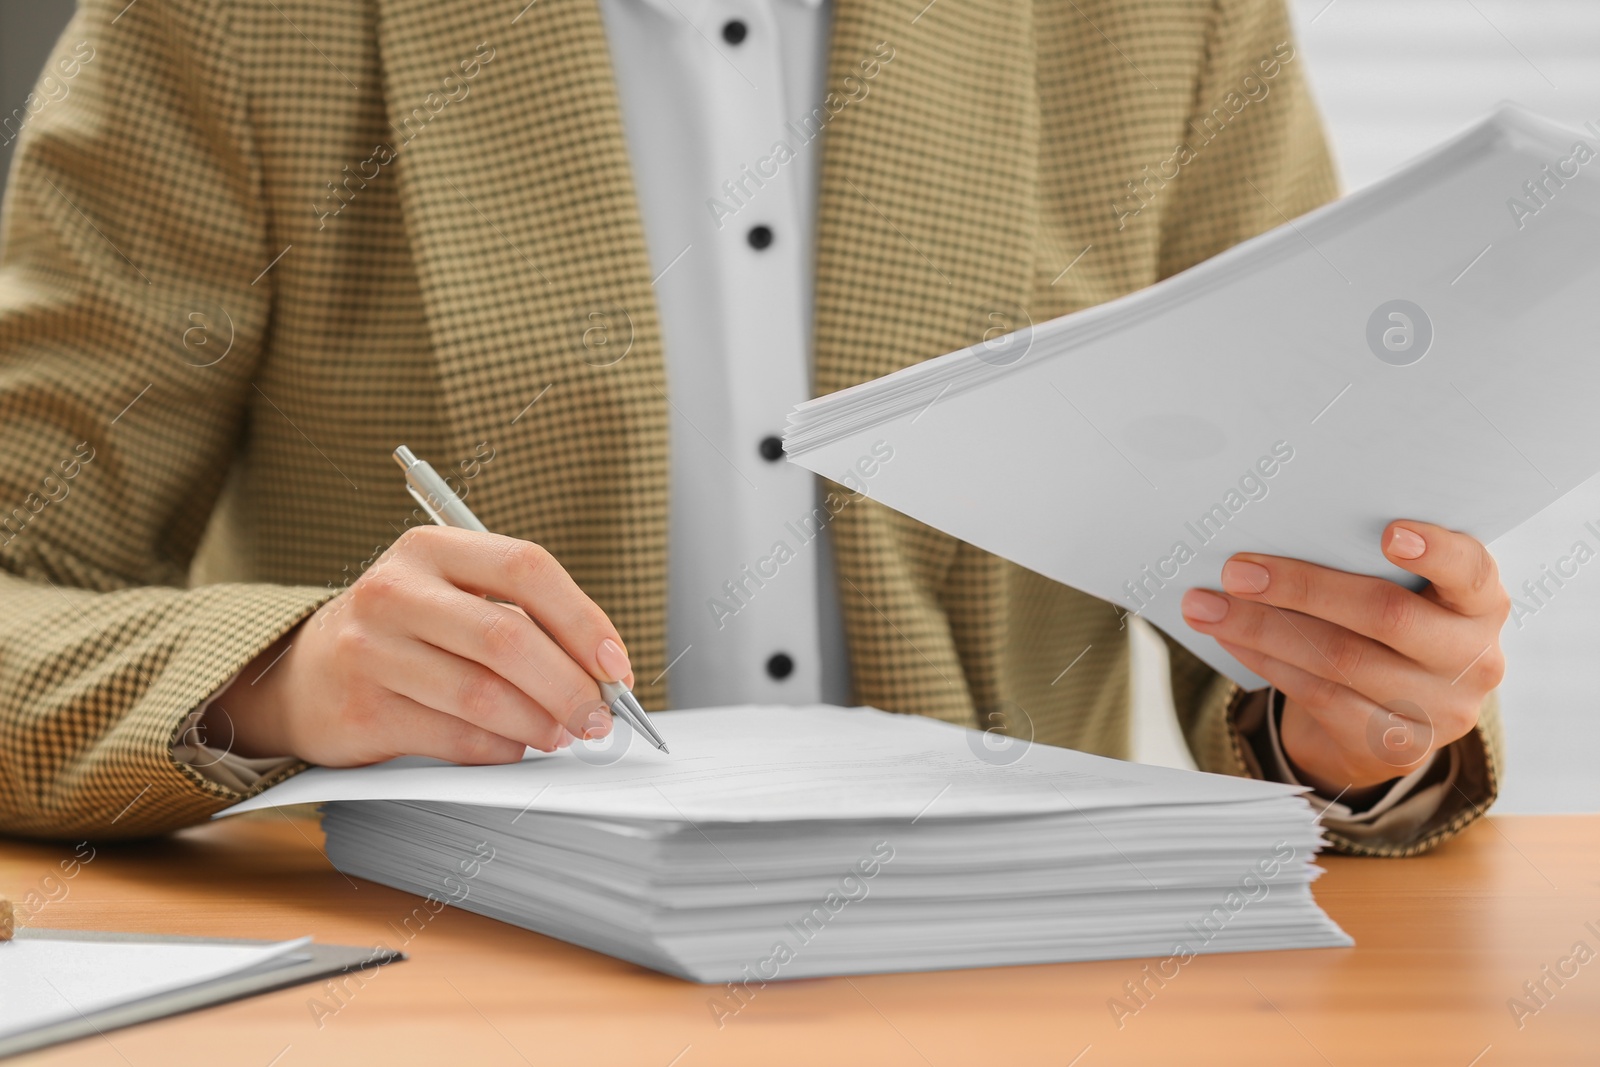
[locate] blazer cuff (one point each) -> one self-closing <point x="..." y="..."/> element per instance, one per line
<point x="130" y="783"/>
<point x="1423" y="781"/>
<point x="211" y="758"/>
<point x="1433" y="802"/>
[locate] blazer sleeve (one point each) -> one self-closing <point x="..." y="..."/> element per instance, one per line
<point x="132" y="310"/>
<point x="1253" y="156"/>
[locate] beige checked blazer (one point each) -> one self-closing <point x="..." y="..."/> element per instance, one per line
<point x="259" y="243"/>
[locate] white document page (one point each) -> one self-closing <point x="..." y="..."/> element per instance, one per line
<point x="1423" y="349"/>
<point x="44" y="981"/>
<point x="755" y="764"/>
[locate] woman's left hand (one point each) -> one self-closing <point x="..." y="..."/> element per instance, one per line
<point x="1376" y="677"/>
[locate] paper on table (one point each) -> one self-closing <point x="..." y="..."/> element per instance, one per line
<point x="757" y="764"/>
<point x="1268" y="399"/>
<point x="45" y="981"/>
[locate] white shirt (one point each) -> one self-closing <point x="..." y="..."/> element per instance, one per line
<point x="708" y="88"/>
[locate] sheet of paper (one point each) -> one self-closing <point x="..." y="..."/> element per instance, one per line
<point x="1422" y="349"/>
<point x="44" y="981"/>
<point x="751" y="764"/>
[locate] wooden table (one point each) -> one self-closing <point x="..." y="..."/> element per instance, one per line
<point x="1444" y="943"/>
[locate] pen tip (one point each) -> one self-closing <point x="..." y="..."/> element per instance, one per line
<point x="665" y="749"/>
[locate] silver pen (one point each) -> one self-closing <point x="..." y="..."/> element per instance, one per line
<point x="445" y="508"/>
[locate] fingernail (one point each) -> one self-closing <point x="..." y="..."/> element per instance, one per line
<point x="1407" y="544"/>
<point x="1242" y="576"/>
<point x="613" y="661"/>
<point x="598" y="724"/>
<point x="1203" y="606"/>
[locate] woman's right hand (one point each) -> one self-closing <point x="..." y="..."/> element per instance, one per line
<point x="412" y="660"/>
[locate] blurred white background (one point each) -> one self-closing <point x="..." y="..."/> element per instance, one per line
<point x="1393" y="77"/>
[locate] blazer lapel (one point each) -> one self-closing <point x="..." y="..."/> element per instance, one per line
<point x="518" y="199"/>
<point x="926" y="242"/>
<point x="928" y="200"/>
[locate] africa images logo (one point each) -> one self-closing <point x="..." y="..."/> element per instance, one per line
<point x="1399" y="332"/>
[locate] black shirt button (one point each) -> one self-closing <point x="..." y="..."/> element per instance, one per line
<point x="733" y="31"/>
<point x="772" y="449"/>
<point x="780" y="666"/>
<point x="759" y="237"/>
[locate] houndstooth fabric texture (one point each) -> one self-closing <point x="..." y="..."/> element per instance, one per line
<point x="262" y="242"/>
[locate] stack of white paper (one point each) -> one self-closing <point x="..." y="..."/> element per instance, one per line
<point x="781" y="843"/>
<point x="1423" y="349"/>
